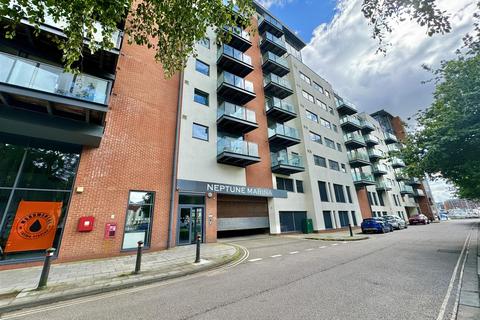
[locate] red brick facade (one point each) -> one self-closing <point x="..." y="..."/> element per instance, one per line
<point x="364" y="204"/>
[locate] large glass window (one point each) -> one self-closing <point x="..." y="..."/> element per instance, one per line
<point x="322" y="186"/>
<point x="200" y="97"/>
<point x="339" y="194"/>
<point x="285" y="184"/>
<point x="35" y="188"/>
<point x="202" y="67"/>
<point x="320" y="161"/>
<point x="312" y="116"/>
<point x="200" y="132"/>
<point x="315" y="137"/>
<point x="138" y="222"/>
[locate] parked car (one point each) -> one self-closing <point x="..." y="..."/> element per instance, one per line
<point x="402" y="223"/>
<point x="377" y="225"/>
<point x="418" y="219"/>
<point x="392" y="221"/>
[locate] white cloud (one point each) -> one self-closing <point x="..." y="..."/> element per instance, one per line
<point x="269" y="3"/>
<point x="441" y="190"/>
<point x="344" y="53"/>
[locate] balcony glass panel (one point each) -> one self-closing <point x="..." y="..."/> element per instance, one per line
<point x="239" y="32"/>
<point x="271" y="20"/>
<point x="43" y="77"/>
<point x="370" y="137"/>
<point x="350" y="119"/>
<point x="358" y="156"/>
<point x="283" y="130"/>
<point x="233" y="110"/>
<point x="405" y="188"/>
<point x="283" y="157"/>
<point x="234" y="80"/>
<point x="276" y="79"/>
<point x="228" y="144"/>
<point x="271" y="56"/>
<point x="234" y="53"/>
<point x="375" y="152"/>
<point x="353" y="136"/>
<point x="383" y="185"/>
<point x="397" y="161"/>
<point x="360" y="176"/>
<point x="379" y="168"/>
<point x="389" y="136"/>
<point x="279" y="103"/>
<point x="344" y="102"/>
<point x="271" y="37"/>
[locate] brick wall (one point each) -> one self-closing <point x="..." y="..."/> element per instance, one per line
<point x="365" y="208"/>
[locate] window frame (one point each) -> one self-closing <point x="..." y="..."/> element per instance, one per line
<point x="150" y="225"/>
<point x="315" y="157"/>
<point x="200" y="125"/>
<point x="198" y="92"/>
<point x="197" y="62"/>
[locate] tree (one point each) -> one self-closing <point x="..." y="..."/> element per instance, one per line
<point x="170" y="27"/>
<point x="447" y="142"/>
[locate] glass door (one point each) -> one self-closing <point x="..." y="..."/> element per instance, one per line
<point x="190" y="222"/>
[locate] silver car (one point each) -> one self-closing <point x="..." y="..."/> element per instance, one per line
<point x="400" y="223"/>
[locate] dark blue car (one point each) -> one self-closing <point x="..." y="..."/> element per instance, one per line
<point x="376" y="225"/>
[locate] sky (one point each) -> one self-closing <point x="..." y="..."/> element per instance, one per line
<point x="340" y="49"/>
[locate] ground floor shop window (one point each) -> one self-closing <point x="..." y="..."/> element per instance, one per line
<point x="344" y="220"/>
<point x="327" y="219"/>
<point x="138" y="222"/>
<point x="191" y="217"/>
<point x="36" y="180"/>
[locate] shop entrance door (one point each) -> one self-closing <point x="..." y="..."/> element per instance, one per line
<point x="190" y="222"/>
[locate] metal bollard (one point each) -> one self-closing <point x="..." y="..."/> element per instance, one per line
<point x="46" y="268"/>
<point x="138" y="262"/>
<point x="197" y="257"/>
<point x="350" y="229"/>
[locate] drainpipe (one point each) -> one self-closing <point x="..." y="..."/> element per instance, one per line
<point x="175" y="163"/>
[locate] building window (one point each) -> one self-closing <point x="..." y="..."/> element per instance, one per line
<point x="318" y="87"/>
<point x="200" y="97"/>
<point x="344" y="220"/>
<point x="315" y="137"/>
<point x="354" y="218"/>
<point x="330" y="143"/>
<point x="344" y="168"/>
<point x="380" y="199"/>
<point x="369" y="197"/>
<point x="335" y="128"/>
<point x="330" y="109"/>
<point x="323" y="105"/>
<point x="374" y="196"/>
<point x="299" y="186"/>
<point x="202" y="67"/>
<point x="285" y="184"/>
<point x="305" y="78"/>
<point x="349" y="195"/>
<point x="320" y="161"/>
<point x="308" y="96"/>
<point x="327" y="93"/>
<point x="339" y="194"/>
<point x="322" y="187"/>
<point x="205" y="42"/>
<point x="325" y="123"/>
<point x="138" y="220"/>
<point x="339" y="147"/>
<point x="333" y="165"/>
<point x="200" y="132"/>
<point x="312" y="116"/>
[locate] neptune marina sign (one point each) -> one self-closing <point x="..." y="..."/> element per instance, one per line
<point x="201" y="186"/>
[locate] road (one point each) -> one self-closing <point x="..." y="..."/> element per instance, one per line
<point x="401" y="275"/>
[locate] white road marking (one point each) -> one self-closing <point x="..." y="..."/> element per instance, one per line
<point x="276" y="256"/>
<point x="441" y="313"/>
<point x="345" y="242"/>
<point x="256" y="259"/>
<point x="459" y="285"/>
<point x="322" y="247"/>
<point x="335" y="244"/>
<point x="309" y="249"/>
<point x="293" y="252"/>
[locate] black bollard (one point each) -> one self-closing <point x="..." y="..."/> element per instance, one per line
<point x="350" y="228"/>
<point x="138" y="262"/>
<point x="46" y="268"/>
<point x="197" y="257"/>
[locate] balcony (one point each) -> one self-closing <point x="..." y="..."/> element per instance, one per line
<point x="273" y="44"/>
<point x="354" y="141"/>
<point x="418" y="193"/>
<point x="277" y="86"/>
<point x="346" y="108"/>
<point x="367" y="127"/>
<point x="414" y="182"/>
<point x="394" y="147"/>
<point x="240" y="38"/>
<point x="234" y="89"/>
<point x="274" y="64"/>
<point x="379" y="169"/>
<point x="279" y="110"/>
<point x="383" y="186"/>
<point x="401" y="176"/>
<point x="358" y="159"/>
<point x="361" y="179"/>
<point x="397" y="162"/>
<point x="404" y="189"/>
<point x="235" y="119"/>
<point x="236" y="152"/>
<point x="53" y="104"/>
<point x="390" y="138"/>
<point x="285" y="163"/>
<point x="234" y="61"/>
<point x="271" y="25"/>
<point x="280" y="137"/>
<point x="375" y="154"/>
<point x="371" y="140"/>
<point x="350" y="123"/>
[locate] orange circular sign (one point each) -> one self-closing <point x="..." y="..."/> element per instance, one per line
<point x="35" y="225"/>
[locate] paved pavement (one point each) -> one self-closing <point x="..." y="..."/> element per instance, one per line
<point x="406" y="274"/>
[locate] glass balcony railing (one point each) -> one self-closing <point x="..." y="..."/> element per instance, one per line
<point x="400" y="175"/>
<point x="273" y="57"/>
<point x="233" y="110"/>
<point x="367" y="124"/>
<point x="277" y="80"/>
<point x="345" y="103"/>
<point x="271" y="20"/>
<point x="234" y="53"/>
<point x="371" y="138"/>
<point x="419" y="193"/>
<point x="394" y="147"/>
<point x="353" y="137"/>
<point x="389" y="136"/>
<point x="238" y="32"/>
<point x="350" y="119"/>
<point x="383" y="185"/>
<point x="405" y="189"/>
<point x="374" y="153"/>
<point x="283" y="130"/>
<point x="51" y="79"/>
<point x="379" y="168"/>
<point x="361" y="176"/>
<point x="397" y="162"/>
<point x="356" y="156"/>
<point x="275" y="102"/>
<point x="285" y="158"/>
<point x="278" y="41"/>
<point x="241" y="147"/>
<point x="236" y="81"/>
